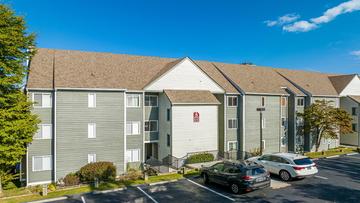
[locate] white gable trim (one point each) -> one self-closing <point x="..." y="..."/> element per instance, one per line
<point x="352" y="88"/>
<point x="149" y="87"/>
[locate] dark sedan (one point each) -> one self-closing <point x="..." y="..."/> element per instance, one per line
<point x="237" y="176"/>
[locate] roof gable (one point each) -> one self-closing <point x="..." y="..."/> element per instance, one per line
<point x="184" y="75"/>
<point x="352" y="87"/>
<point x="341" y="81"/>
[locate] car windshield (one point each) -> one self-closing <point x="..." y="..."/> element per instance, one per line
<point x="255" y="171"/>
<point x="304" y="161"/>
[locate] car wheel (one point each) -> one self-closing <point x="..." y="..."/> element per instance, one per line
<point x="234" y="188"/>
<point x="205" y="178"/>
<point x="284" y="175"/>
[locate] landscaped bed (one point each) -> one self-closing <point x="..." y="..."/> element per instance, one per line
<point x="332" y="152"/>
<point x="16" y="195"/>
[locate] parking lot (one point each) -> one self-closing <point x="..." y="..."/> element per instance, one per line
<point x="338" y="180"/>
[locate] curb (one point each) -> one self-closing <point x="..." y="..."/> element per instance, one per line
<point x="50" y="200"/>
<point x="336" y="156"/>
<point x="163" y="182"/>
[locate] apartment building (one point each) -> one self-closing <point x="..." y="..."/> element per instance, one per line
<point x="126" y="109"/>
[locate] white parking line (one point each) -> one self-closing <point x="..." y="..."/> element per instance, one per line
<point x="321" y="177"/>
<point x="351" y="154"/>
<point x="83" y="199"/>
<point x="229" y="198"/>
<point x="147" y="195"/>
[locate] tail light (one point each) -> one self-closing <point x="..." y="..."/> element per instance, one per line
<point x="246" y="177"/>
<point x="314" y="165"/>
<point x="298" y="168"/>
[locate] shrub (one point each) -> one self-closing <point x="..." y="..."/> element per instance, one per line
<point x="71" y="179"/>
<point x="100" y="170"/>
<point x="9" y="186"/>
<point x="52" y="187"/>
<point x="254" y="152"/>
<point x="131" y="174"/>
<point x="200" y="158"/>
<point x="151" y="172"/>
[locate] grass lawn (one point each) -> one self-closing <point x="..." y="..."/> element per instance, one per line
<point x="331" y="152"/>
<point x="84" y="189"/>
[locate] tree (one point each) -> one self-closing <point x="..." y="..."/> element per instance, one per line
<point x="324" y="121"/>
<point x="17" y="123"/>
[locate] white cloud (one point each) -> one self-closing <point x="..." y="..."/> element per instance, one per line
<point x="313" y="23"/>
<point x="288" y="18"/>
<point x="356" y="53"/>
<point x="300" y="26"/>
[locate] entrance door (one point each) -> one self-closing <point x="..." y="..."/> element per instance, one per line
<point x="151" y="150"/>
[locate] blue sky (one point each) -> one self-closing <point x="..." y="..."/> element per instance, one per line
<point x="319" y="35"/>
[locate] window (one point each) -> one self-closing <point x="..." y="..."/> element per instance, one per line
<point x="91" y="130"/>
<point x="354" y="127"/>
<point x="262" y="102"/>
<point x="168" y="114"/>
<point x="232" y="145"/>
<point x="219" y="167"/>
<point x="91" y="158"/>
<point x="232" y="123"/>
<point x="263" y="123"/>
<point x="133" y="100"/>
<point x="44" y="132"/>
<point x="151" y="126"/>
<point x="231" y="169"/>
<point x="91" y="100"/>
<point x="284" y="122"/>
<point x="133" y="155"/>
<point x="232" y="101"/>
<point x="168" y="140"/>
<point x="300" y="102"/>
<point x="283" y="101"/>
<point x="151" y="100"/>
<point x="42" y="100"/>
<point x="133" y="128"/>
<point x="42" y="163"/>
<point x="353" y="110"/>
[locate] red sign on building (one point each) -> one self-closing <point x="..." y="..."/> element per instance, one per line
<point x="196" y="117"/>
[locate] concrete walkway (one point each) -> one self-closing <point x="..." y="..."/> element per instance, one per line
<point x="200" y="165"/>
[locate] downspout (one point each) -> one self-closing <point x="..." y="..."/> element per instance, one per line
<point x="54" y="118"/>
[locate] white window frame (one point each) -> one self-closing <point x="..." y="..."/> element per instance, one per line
<point x="303" y="102"/>
<point x="157" y="100"/>
<point x="281" y="101"/>
<point x="236" y="122"/>
<point x="157" y="125"/>
<point x="232" y="142"/>
<point x="261" y="103"/>
<point x="43" y="156"/>
<point x="94" y="100"/>
<point x="227" y="101"/>
<point x="263" y="123"/>
<point x="42" y="103"/>
<point x="40" y="130"/>
<point x="94" y="130"/>
<point x="263" y="144"/>
<point x="131" y="151"/>
<point x="94" y="159"/>
<point x="131" y="122"/>
<point x="133" y="95"/>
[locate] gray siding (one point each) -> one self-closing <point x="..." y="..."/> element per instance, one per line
<point x="354" y="138"/>
<point x="73" y="116"/>
<point x="40" y="147"/>
<point x="271" y="134"/>
<point x="136" y="141"/>
<point x="232" y="113"/>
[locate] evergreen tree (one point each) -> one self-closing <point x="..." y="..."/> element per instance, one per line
<point x="17" y="123"/>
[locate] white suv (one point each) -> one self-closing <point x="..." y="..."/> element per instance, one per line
<point x="287" y="165"/>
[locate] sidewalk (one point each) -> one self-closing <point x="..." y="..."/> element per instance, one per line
<point x="200" y="165"/>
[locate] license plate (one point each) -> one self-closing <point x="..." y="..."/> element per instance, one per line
<point x="308" y="168"/>
<point x="260" y="179"/>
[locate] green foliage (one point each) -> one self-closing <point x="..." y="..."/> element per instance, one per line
<point x="254" y="152"/>
<point x="131" y="175"/>
<point x="52" y="187"/>
<point x="17" y="124"/>
<point x="200" y="158"/>
<point x="71" y="179"/>
<point x="151" y="172"/>
<point x="100" y="170"/>
<point x="9" y="186"/>
<point x="324" y="121"/>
